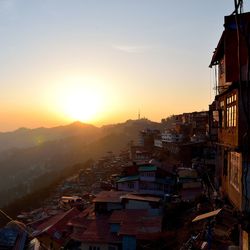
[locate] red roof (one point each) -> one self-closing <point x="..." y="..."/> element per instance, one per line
<point x="79" y="220"/>
<point x="98" y="231"/>
<point x="136" y="222"/>
<point x="109" y="196"/>
<point x="120" y="216"/>
<point x="56" y="226"/>
<point x="141" y="198"/>
<point x="132" y="222"/>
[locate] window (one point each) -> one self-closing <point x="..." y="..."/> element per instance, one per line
<point x="231" y="111"/>
<point x="143" y="185"/>
<point x="131" y="185"/>
<point x="157" y="186"/>
<point x="215" y="123"/>
<point x="235" y="170"/>
<point x="222" y="114"/>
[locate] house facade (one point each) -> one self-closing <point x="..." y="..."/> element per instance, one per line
<point x="149" y="179"/>
<point x="230" y="111"/>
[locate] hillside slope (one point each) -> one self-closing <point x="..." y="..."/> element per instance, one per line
<point x="26" y="169"/>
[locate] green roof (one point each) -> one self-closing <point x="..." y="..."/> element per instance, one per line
<point x="129" y="178"/>
<point x="147" y="168"/>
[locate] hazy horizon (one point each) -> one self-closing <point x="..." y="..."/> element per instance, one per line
<point x="73" y="122"/>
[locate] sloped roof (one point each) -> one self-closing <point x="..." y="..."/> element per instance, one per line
<point x="132" y="222"/>
<point x="109" y="196"/>
<point x="219" y="51"/>
<point x="78" y="221"/>
<point x="96" y="230"/>
<point x="119" y="216"/>
<point x="141" y="198"/>
<point x="56" y="225"/>
<point x="128" y="178"/>
<point x="147" y="168"/>
<point x="135" y="222"/>
<point x="206" y="215"/>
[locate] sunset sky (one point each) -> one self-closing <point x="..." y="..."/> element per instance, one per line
<point x="100" y="61"/>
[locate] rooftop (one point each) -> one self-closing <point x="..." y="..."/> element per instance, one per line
<point x="147" y="168"/>
<point x="141" y="198"/>
<point x="120" y="216"/>
<point x="56" y="225"/>
<point x="96" y="230"/>
<point x="128" y="178"/>
<point x="109" y="196"/>
<point x="136" y="222"/>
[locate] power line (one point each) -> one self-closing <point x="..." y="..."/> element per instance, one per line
<point x="22" y="228"/>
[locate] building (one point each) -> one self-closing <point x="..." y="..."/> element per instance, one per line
<point x="171" y="136"/>
<point x="108" y="201"/>
<point x="151" y="203"/>
<point x="13" y="236"/>
<point x="53" y="232"/>
<point x="140" y="155"/>
<point x="231" y="111"/>
<point x="121" y="230"/>
<point x="230" y="114"/>
<point x="147" y="137"/>
<point x="149" y="179"/>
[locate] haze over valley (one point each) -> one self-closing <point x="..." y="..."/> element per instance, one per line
<point x="31" y="159"/>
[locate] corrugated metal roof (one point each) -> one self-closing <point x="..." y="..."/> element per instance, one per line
<point x="147" y="168"/>
<point x="109" y="196"/>
<point x="97" y="231"/>
<point x="132" y="222"/>
<point x="141" y="198"/>
<point x="129" y="178"/>
<point x="206" y="215"/>
<point x="57" y="223"/>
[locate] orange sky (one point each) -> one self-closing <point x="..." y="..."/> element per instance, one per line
<point x="101" y="63"/>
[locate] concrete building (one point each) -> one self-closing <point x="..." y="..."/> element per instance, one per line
<point x="230" y="114"/>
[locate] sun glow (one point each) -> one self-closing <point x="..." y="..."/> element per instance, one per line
<point x="81" y="99"/>
<point x="82" y="105"/>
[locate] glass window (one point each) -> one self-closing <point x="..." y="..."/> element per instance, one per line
<point x="222" y="114"/>
<point x="131" y="185"/>
<point x="231" y="111"/>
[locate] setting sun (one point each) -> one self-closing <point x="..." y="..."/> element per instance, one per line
<point x="81" y="99"/>
<point x="82" y="105"/>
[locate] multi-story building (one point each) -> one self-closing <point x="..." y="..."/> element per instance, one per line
<point x="149" y="179"/>
<point x="230" y="111"/>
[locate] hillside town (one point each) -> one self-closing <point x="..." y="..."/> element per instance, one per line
<point x="185" y="187"/>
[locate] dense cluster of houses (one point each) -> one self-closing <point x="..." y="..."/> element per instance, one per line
<point x="125" y="213"/>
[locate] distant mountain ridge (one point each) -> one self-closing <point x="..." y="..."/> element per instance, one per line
<point x="27" y="168"/>
<point x="24" y="137"/>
